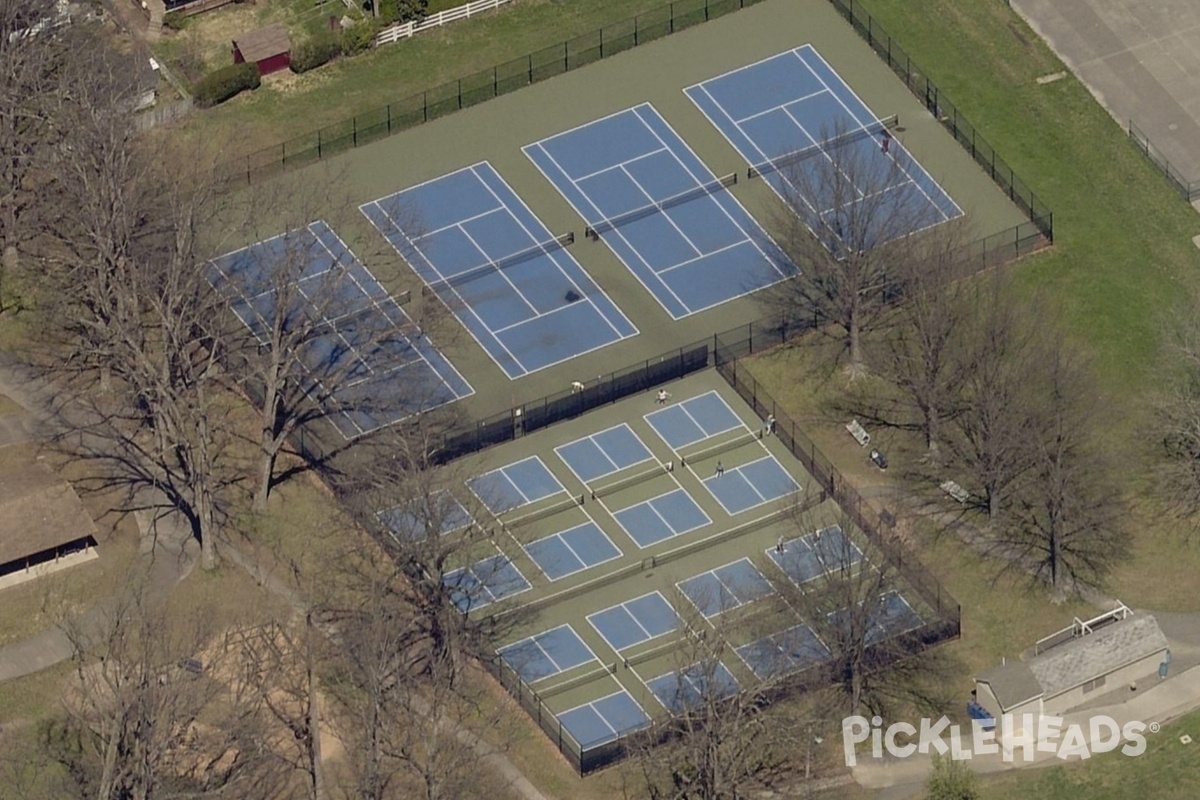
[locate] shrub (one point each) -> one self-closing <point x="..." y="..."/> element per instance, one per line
<point x="174" y="20"/>
<point x="358" y="37"/>
<point x="315" y="51"/>
<point x="401" y="10"/>
<point x="222" y="84"/>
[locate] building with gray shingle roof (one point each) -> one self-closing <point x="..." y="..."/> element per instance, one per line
<point x="1075" y="664"/>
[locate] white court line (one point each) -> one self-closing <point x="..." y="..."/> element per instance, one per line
<point x="664" y="212"/>
<point x="617" y="165"/>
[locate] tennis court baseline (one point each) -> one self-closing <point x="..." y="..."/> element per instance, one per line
<point x="368" y="365"/>
<point x="635" y="621"/>
<point x="793" y="109"/>
<point x="694" y="420"/>
<point x="573" y="550"/>
<point x="725" y="588"/>
<point x="673" y="224"/>
<point x="604" y="453"/>
<point x="507" y="279"/>
<point x="515" y="485"/>
<point x="547" y="654"/>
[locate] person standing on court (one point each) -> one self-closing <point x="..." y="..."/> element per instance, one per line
<point x="885" y="141"/>
<point x="663" y="395"/>
<point x="720" y="469"/>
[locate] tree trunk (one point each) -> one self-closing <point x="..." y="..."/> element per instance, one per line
<point x="266" y="471"/>
<point x="316" y="768"/>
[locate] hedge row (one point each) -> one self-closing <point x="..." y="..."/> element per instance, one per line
<point x="222" y="84"/>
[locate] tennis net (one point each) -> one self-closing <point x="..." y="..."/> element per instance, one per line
<point x="519" y="257"/>
<point x="723" y="447"/>
<point x="822" y="148"/>
<point x="593" y="232"/>
<point x="631" y="480"/>
<point x="542" y="513"/>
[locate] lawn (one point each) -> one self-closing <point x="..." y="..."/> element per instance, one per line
<point x="1168" y="770"/>
<point x="289" y="106"/>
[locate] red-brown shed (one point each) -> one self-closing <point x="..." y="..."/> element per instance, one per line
<point x="268" y="47"/>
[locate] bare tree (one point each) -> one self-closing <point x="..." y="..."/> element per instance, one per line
<point x="846" y="201"/>
<point x="146" y="719"/>
<point x="922" y="351"/>
<point x="1178" y="417"/>
<point x="991" y="439"/>
<point x="1067" y="524"/>
<point x="132" y="330"/>
<point x="32" y="58"/>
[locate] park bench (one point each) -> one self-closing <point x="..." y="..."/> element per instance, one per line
<point x="858" y="432"/>
<point x="957" y="492"/>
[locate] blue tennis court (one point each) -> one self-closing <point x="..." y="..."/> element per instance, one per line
<point x="725" y="588"/>
<point x="368" y="364"/>
<point x="795" y="648"/>
<point x="660" y="518"/>
<point x="807" y="557"/>
<point x="748" y="486"/>
<point x="547" y="654"/>
<point x="603" y="453"/>
<point x="635" y="621"/>
<point x="678" y="229"/>
<point x="890" y="616"/>
<point x="604" y="720"/>
<point x="506" y="278"/>
<point x="787" y="113"/>
<point x="411" y="521"/>
<point x="515" y="485"/>
<point x="484" y="582"/>
<point x="691" y="687"/>
<point x="694" y="420"/>
<point x="571" y="551"/>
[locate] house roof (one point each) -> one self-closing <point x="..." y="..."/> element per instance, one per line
<point x="1087" y="657"/>
<point x="1012" y="684"/>
<point x="38" y="511"/>
<point x="263" y="43"/>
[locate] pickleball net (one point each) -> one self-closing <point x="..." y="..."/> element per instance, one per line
<point x="519" y="257"/>
<point x="874" y="130"/>
<point x="594" y="232"/>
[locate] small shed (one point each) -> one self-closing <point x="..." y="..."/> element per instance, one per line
<point x="1070" y="667"/>
<point x="267" y="47"/>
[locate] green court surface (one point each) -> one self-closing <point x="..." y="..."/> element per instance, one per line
<point x="634" y="615"/>
<point x="655" y="73"/>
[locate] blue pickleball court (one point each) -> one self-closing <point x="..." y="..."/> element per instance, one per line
<point x="487" y="256"/>
<point x="725" y="588"/>
<point x="681" y="233"/>
<point x="694" y="420"/>
<point x="574" y="550"/>
<point x="604" y="720"/>
<point x="691" y="687"/>
<point x="795" y="648"/>
<point x="889" y="615"/>
<point x="660" y="518"/>
<point x="807" y="557"/>
<point x="793" y="109"/>
<point x="368" y="364"/>
<point x="635" y="621"/>
<point x="412" y="520"/>
<point x="750" y="485"/>
<point x="515" y="485"/>
<point x="485" y="582"/>
<point x="604" y="453"/>
<point x="547" y="654"/>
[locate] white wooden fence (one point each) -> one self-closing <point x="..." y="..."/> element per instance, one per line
<point x="407" y="29"/>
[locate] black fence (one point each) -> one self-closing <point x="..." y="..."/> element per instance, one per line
<point x="1190" y="189"/>
<point x="945" y="112"/>
<point x="944" y="624"/>
<point x="484" y="85"/>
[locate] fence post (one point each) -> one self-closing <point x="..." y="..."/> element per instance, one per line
<point x="425" y="106"/>
<point x="354" y="125"/>
<point x="389" y="117"/>
<point x="602" y="42"/>
<point x="531" y="67"/>
<point x="318" y="144"/>
<point x="671" y="25"/>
